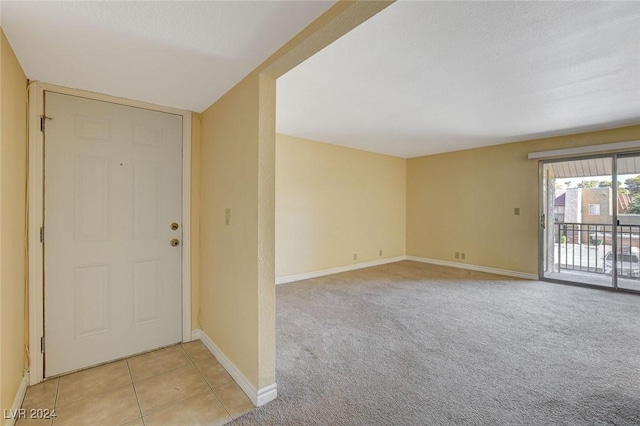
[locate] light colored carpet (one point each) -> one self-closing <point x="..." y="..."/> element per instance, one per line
<point x="416" y="344"/>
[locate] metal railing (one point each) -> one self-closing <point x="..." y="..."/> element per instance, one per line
<point x="587" y="247"/>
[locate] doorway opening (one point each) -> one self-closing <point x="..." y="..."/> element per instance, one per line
<point x="590" y="221"/>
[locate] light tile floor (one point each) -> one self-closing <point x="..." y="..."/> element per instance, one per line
<point x="178" y="385"/>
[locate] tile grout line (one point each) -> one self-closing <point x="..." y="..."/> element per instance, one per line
<point x="163" y="372"/>
<point x="93" y="395"/>
<point x="133" y="384"/>
<point x="168" y="371"/>
<point x="221" y="403"/>
<point x="55" y="402"/>
<point x="209" y="384"/>
<point x="214" y="393"/>
<point x="210" y="387"/>
<point x="176" y="402"/>
<point x="160" y="374"/>
<point x="200" y="371"/>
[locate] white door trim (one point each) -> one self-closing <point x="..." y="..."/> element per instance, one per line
<point x="36" y="208"/>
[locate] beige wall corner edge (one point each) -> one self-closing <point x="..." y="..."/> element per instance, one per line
<point x="266" y="232"/>
<point x="341" y="18"/>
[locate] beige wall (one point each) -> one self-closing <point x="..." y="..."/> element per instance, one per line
<point x="464" y="201"/>
<point x="332" y="202"/>
<point x="237" y="289"/>
<point x="13" y="159"/>
<point x="195" y="219"/>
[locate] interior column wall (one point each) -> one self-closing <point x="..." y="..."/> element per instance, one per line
<point x="266" y="231"/>
<point x="237" y="283"/>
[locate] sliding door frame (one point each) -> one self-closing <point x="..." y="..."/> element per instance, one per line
<point x="544" y="219"/>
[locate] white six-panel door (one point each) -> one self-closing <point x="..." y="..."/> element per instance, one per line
<point x="112" y="192"/>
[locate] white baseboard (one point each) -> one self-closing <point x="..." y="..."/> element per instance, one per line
<point x="315" y="274"/>
<point x="17" y="402"/>
<point x="486" y="269"/>
<point x="259" y="397"/>
<point x="266" y="394"/>
<point x="195" y="334"/>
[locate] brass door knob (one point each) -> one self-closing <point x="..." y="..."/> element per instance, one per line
<point x="174" y="226"/>
<point x="175" y="242"/>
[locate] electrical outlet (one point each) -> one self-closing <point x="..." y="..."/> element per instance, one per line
<point x="463" y="256"/>
<point x="355" y="256"/>
<point x="457" y="255"/>
<point x="227" y="216"/>
<point x="380" y="252"/>
<point x="516" y="211"/>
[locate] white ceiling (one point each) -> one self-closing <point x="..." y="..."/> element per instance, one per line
<point x="418" y="78"/>
<point x="428" y="77"/>
<point x="181" y="54"/>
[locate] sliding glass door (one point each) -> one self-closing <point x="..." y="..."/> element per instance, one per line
<point x="590" y="221"/>
<point x="577" y="220"/>
<point x="627" y="265"/>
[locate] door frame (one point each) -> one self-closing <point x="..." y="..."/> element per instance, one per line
<point x="36" y="212"/>
<point x="545" y="218"/>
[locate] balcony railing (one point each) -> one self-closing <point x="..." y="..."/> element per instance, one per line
<point x="587" y="247"/>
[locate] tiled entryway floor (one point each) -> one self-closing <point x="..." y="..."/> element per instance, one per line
<point x="178" y="385"/>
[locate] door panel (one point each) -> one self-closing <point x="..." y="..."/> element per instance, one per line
<point x="112" y="189"/>
<point x="628" y="251"/>
<point x="92" y="198"/>
<point x="147" y="291"/>
<point x="147" y="199"/>
<point x="91" y="303"/>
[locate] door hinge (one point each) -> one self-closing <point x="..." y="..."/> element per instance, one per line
<point x="42" y="120"/>
<point x="42" y="234"/>
<point x="542" y="221"/>
<point x="42" y="344"/>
